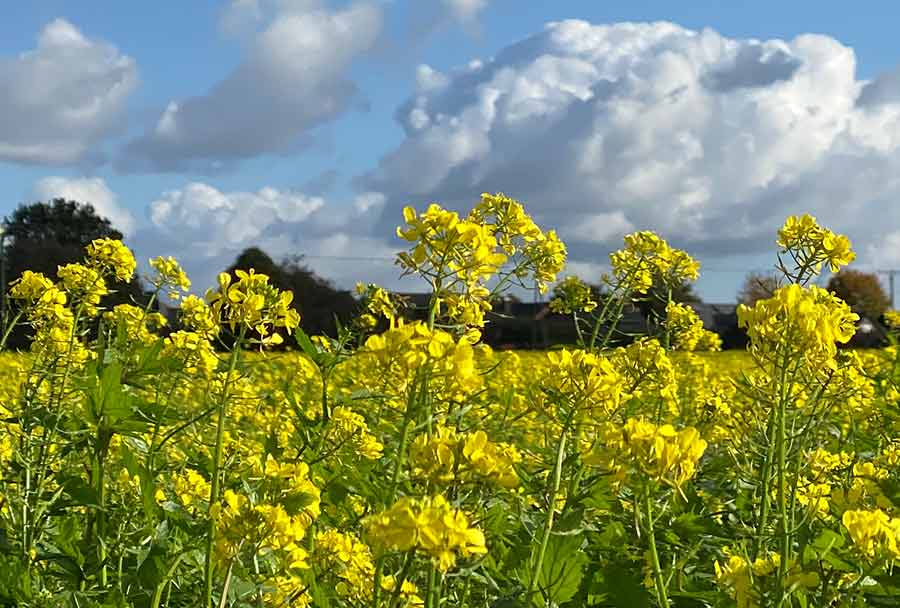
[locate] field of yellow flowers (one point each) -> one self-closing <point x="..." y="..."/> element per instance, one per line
<point x="405" y="464"/>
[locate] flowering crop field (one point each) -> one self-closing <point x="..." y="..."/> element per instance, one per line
<point x="406" y="464"/>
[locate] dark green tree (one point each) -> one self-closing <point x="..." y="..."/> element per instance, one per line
<point x="45" y="235"/>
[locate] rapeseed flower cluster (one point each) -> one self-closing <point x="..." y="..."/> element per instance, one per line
<point x="649" y="374"/>
<point x="458" y="256"/>
<point x="430" y="525"/>
<point x="136" y="324"/>
<point x="744" y="580"/>
<point x="349" y="560"/>
<point x="811" y="245"/>
<point x="572" y="295"/>
<point x="809" y="321"/>
<point x="402" y="351"/>
<point x="192" y="352"/>
<point x="252" y="303"/>
<point x="579" y="384"/>
<point x="874" y="532"/>
<point x="274" y="519"/>
<point x="645" y="257"/>
<point x="84" y="285"/>
<point x="54" y="311"/>
<point x="378" y="304"/>
<point x="446" y="454"/>
<point x="642" y="451"/>
<point x="169" y="275"/>
<point x="191" y="489"/>
<point x="892" y="318"/>
<point x="197" y="316"/>
<point x="350" y="429"/>
<point x="111" y="256"/>
<point x="686" y="330"/>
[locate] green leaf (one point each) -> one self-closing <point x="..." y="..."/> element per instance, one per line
<point x="496" y="521"/>
<point x="306" y="344"/>
<point x="689" y="526"/>
<point x="69" y="568"/>
<point x="827" y="540"/>
<point x="148" y="486"/>
<point x="15" y="581"/>
<point x="622" y="588"/>
<point x="295" y="503"/>
<point x="337" y="492"/>
<point x="115" y="401"/>
<point x="561" y="571"/>
<point x="152" y="570"/>
<point x="570" y="521"/>
<point x="81" y="493"/>
<point x="319" y="595"/>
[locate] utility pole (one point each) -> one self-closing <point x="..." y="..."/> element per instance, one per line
<point x="890" y="272"/>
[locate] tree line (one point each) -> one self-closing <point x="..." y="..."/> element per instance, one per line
<point x="45" y="235"/>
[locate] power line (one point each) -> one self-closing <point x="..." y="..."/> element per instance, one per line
<point x="349" y="258"/>
<point x="392" y="260"/>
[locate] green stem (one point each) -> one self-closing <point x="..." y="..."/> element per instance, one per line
<point x="224" y="599"/>
<point x="99" y="470"/>
<point x="8" y="329"/>
<point x="600" y="318"/>
<point x="612" y="326"/>
<point x="376" y="591"/>
<point x="660" y="583"/>
<point x="259" y="595"/>
<point x="157" y="593"/>
<point x="404" y="573"/>
<point x="326" y="414"/>
<point x="395" y="479"/>
<point x="430" y="589"/>
<point x="575" y="481"/>
<point x="578" y="332"/>
<point x="217" y="463"/>
<point x="766" y="495"/>
<point x="548" y="524"/>
<point x="784" y="532"/>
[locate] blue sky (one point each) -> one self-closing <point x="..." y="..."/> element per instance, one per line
<point x="313" y="149"/>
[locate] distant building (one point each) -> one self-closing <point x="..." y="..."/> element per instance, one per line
<point x="516" y="324"/>
<point x="722" y="319"/>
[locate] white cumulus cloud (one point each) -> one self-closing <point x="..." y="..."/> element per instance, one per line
<point x="710" y="140"/>
<point x="62" y="98"/>
<point x="91" y="190"/>
<point x="209" y="221"/>
<point x="206" y="228"/>
<point x="293" y="78"/>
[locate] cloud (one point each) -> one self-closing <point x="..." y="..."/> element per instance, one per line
<point x="464" y="10"/>
<point x="601" y="129"/>
<point x="210" y="221"/>
<point x="599" y="227"/>
<point x="63" y="98"/>
<point x="207" y="228"/>
<point x="91" y="190"/>
<point x="293" y="78"/>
